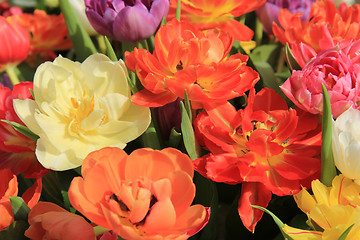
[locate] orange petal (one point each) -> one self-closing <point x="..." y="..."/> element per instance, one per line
<point x="148" y="163"/>
<point x="6" y="213"/>
<point x="162" y="216"/>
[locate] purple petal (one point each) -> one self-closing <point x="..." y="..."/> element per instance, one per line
<point x="134" y="23"/>
<point x="160" y="9"/>
<point x="99" y="23"/>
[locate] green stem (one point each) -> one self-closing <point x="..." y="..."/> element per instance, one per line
<point x="151" y="137"/>
<point x="10" y="70"/>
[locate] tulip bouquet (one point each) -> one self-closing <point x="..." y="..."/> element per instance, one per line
<point x="177" y="119"/>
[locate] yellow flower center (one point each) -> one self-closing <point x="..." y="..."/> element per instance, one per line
<point x="82" y="107"/>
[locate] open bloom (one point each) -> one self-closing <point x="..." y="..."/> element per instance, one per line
<point x="17" y="152"/>
<point x="338" y="68"/>
<point x="14" y="42"/>
<point x="268" y="13"/>
<point x="346" y="143"/>
<point x="49" y="221"/>
<point x="188" y="59"/>
<point x="126" y="20"/>
<point x="80" y="108"/>
<point x="48" y="33"/>
<point x="325" y="26"/>
<point x="271" y="148"/>
<point x="144" y="195"/>
<point x="334" y="209"/>
<point x="209" y="14"/>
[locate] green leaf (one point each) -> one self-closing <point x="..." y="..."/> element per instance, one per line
<point x="15" y="231"/>
<point x="178" y="10"/>
<point x="163" y="21"/>
<point x="291" y="59"/>
<point x="174" y="138"/>
<point x="187" y="105"/>
<point x="284" y="75"/>
<point x="276" y="220"/>
<point x="23" y="130"/>
<point x="345" y="233"/>
<point x="32" y="93"/>
<point x="190" y="143"/>
<point x="65" y="178"/>
<point x="110" y="51"/>
<point x="267" y="75"/>
<point x="151" y="137"/>
<point x="20" y="209"/>
<point x="82" y="43"/>
<point x="263" y="53"/>
<point x="328" y="169"/>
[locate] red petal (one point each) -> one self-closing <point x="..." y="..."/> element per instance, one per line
<point x="252" y="194"/>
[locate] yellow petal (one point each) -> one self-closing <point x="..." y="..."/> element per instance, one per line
<point x="300" y="234"/>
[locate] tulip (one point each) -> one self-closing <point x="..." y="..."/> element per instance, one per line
<point x="80" y="108"/>
<point x="325" y="25"/>
<point x="48" y="33"/>
<point x="338" y="68"/>
<point x="188" y="59"/>
<point x="8" y="188"/>
<point x="14" y="42"/>
<point x="334" y="209"/>
<point x="145" y="195"/>
<point x="17" y="152"/>
<point x="267" y="147"/>
<point x="346" y="143"/>
<point x="49" y="221"/>
<point x="126" y="20"/>
<point x="268" y="13"/>
<point x="205" y="15"/>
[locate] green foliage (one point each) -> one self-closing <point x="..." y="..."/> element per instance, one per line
<point x="23" y="130"/>
<point x="82" y="43"/>
<point x="328" y="169"/>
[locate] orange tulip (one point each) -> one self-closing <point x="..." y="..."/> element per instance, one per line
<point x="188" y="59"/>
<point x="325" y="26"/>
<point x="8" y="188"/>
<point x="48" y="32"/>
<point x="218" y="13"/>
<point x="144" y="195"/>
<point x="49" y="221"/>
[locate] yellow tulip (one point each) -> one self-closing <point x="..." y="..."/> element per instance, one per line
<point x="334" y="209"/>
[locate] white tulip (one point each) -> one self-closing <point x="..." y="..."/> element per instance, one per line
<point x="346" y="143"/>
<point x="79" y="8"/>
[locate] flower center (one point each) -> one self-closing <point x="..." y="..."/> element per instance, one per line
<point x="133" y="203"/>
<point x="81" y="109"/>
<point x="132" y="3"/>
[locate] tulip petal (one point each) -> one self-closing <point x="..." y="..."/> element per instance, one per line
<point x="252" y="194"/>
<point x="162" y="216"/>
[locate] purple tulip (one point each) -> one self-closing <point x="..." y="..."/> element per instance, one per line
<point x="268" y="13"/>
<point x="126" y="20"/>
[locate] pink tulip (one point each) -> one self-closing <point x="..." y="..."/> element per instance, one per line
<point x="338" y="68"/>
